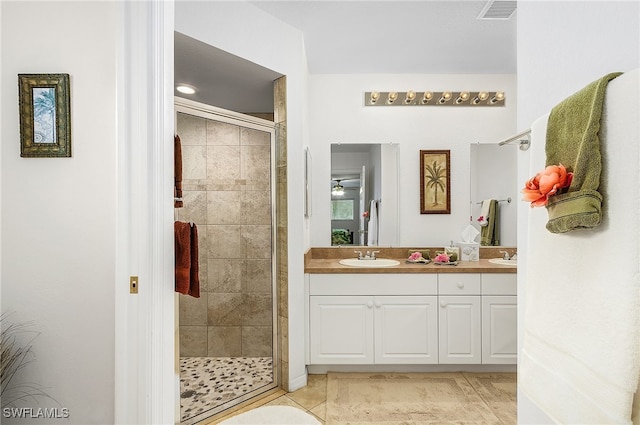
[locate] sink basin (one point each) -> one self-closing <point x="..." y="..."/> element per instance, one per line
<point x="379" y="262"/>
<point x="503" y="262"/>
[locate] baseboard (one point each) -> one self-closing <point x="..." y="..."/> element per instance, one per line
<point x="323" y="369"/>
<point x="297" y="383"/>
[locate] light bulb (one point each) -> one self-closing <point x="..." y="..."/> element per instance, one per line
<point x="498" y="97"/>
<point x="446" y="96"/>
<point x="392" y="97"/>
<point x="410" y="96"/>
<point x="375" y="96"/>
<point x="463" y="97"/>
<point x="427" y="97"/>
<point x="481" y="97"/>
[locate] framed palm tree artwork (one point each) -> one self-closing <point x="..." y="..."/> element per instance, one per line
<point x="435" y="182"/>
<point x="45" y="117"/>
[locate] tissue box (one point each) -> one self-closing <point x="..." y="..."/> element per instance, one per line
<point x="469" y="251"/>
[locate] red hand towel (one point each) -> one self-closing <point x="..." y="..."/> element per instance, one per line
<point x="194" y="282"/>
<point x="177" y="171"/>
<point x="187" y="279"/>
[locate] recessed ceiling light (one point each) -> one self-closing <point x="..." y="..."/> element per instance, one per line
<point x="186" y="89"/>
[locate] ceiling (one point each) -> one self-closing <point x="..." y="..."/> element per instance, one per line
<point x="343" y="37"/>
<point x="222" y="79"/>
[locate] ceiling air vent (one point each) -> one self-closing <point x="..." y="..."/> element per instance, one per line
<point x="497" y="9"/>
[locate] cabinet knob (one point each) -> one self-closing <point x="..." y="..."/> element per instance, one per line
<point x="443" y="304"/>
<point x="378" y="305"/>
<point x="460" y="285"/>
<point x="370" y="304"/>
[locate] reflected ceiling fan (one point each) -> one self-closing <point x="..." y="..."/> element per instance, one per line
<point x="338" y="189"/>
<point x="344" y="181"/>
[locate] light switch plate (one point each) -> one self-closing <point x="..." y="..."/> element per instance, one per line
<point x="133" y="284"/>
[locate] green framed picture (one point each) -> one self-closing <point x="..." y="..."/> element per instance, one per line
<point x="435" y="182"/>
<point x="45" y="115"/>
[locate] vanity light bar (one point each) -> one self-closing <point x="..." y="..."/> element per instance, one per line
<point x="428" y="98"/>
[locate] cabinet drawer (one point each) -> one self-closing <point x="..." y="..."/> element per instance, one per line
<point x="373" y="284"/>
<point x="459" y="284"/>
<point x="499" y="284"/>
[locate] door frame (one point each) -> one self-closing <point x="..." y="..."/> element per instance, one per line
<point x="146" y="382"/>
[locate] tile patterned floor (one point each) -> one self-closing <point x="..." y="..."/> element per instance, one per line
<point x="313" y="398"/>
<point x="421" y="398"/>
<point x="207" y="382"/>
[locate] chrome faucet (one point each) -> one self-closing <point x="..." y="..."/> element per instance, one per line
<point x="368" y="256"/>
<point x="505" y="256"/>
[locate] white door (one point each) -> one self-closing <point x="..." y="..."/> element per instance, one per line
<point x="459" y="329"/>
<point x="341" y="329"/>
<point x="406" y="330"/>
<point x="499" y="330"/>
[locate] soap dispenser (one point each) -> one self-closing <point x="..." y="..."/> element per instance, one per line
<point x="453" y="252"/>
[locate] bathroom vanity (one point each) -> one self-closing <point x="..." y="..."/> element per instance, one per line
<point x="409" y="314"/>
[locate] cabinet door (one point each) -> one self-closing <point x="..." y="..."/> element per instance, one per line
<point x="459" y="336"/>
<point x="499" y="330"/>
<point x="341" y="329"/>
<point x="406" y="330"/>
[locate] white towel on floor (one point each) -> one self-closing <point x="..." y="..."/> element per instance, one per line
<point x="580" y="361"/>
<point x="272" y="415"/>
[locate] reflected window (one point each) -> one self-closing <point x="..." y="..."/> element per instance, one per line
<point x="342" y="209"/>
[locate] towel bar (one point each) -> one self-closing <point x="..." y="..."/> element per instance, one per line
<point x="523" y="143"/>
<point x="508" y="200"/>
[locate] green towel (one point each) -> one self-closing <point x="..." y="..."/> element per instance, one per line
<point x="572" y="140"/>
<point x="490" y="234"/>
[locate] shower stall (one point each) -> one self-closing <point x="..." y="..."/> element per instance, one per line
<point x="227" y="336"/>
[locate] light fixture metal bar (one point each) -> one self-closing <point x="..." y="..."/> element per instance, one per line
<point x="421" y="98"/>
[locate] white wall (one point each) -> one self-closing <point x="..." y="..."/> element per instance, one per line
<point x="563" y="46"/>
<point x="248" y="32"/>
<point x="58" y="217"/>
<point x="337" y="114"/>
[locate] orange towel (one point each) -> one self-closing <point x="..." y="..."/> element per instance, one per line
<point x="177" y="172"/>
<point x="186" y="257"/>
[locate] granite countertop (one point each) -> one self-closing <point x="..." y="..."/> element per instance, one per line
<point x="326" y="260"/>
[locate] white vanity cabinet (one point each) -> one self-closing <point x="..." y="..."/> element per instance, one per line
<point x="459" y="318"/>
<point x="499" y="319"/>
<point x="373" y="319"/>
<point x="421" y="318"/>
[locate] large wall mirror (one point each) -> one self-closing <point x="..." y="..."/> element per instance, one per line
<point x="364" y="194"/>
<point x="494" y="175"/>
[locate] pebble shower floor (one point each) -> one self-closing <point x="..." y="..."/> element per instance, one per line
<point x="208" y="382"/>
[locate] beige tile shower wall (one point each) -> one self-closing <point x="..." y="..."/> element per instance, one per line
<point x="280" y="118"/>
<point x="226" y="192"/>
